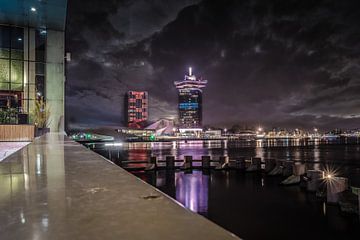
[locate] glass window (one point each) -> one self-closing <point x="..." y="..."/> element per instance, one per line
<point x="40" y="42"/>
<point x="4" y="70"/>
<point x="17" y="38"/>
<point x="4" y="37"/>
<point x="17" y="69"/>
<point x="16" y="87"/>
<point x="4" y="85"/>
<point x="40" y="68"/>
<point x="40" y="85"/>
<point x="4" y="41"/>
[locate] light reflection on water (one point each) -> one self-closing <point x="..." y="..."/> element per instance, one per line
<point x="192" y="190"/>
<point x="246" y="202"/>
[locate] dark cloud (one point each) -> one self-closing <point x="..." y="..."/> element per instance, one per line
<point x="281" y="62"/>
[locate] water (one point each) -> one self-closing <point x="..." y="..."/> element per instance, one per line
<point x="253" y="205"/>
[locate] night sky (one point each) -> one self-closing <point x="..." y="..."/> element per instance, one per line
<point x="285" y="63"/>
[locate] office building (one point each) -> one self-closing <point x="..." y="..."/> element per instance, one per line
<point x="136" y="109"/>
<point x="32" y="57"/>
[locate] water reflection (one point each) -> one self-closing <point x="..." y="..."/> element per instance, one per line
<point x="237" y="200"/>
<point x="192" y="190"/>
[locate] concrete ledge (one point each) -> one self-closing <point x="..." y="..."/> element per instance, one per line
<point x="55" y="188"/>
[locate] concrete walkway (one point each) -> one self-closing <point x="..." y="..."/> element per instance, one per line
<point x="55" y="188"/>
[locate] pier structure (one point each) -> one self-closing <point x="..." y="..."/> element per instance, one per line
<point x="66" y="191"/>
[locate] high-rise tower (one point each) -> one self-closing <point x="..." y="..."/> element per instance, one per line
<point x="190" y="100"/>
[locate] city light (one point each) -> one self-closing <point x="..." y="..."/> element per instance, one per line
<point x="33" y="9"/>
<point x="115" y="144"/>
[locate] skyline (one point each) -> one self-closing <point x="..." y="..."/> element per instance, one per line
<point x="279" y="63"/>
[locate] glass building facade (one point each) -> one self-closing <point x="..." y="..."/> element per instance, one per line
<point x="32" y="58"/>
<point x="136" y="109"/>
<point x="190" y="101"/>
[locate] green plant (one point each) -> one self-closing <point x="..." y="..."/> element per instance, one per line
<point x="41" y="114"/>
<point x="8" y="116"/>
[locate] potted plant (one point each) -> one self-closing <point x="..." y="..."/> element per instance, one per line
<point x="40" y="117"/>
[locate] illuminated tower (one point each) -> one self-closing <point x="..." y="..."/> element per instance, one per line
<point x="190" y="100"/>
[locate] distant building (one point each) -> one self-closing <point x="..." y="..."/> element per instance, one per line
<point x="162" y="127"/>
<point x="136" y="109"/>
<point x="190" y="101"/>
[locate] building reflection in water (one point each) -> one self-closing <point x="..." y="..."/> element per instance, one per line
<point x="192" y="190"/>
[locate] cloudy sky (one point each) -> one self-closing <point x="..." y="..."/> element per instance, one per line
<point x="286" y="63"/>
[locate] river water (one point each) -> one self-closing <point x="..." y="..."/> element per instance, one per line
<point x="254" y="205"/>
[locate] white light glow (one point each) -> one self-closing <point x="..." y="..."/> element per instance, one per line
<point x="33" y="9"/>
<point x="190" y="71"/>
<point x="113" y="144"/>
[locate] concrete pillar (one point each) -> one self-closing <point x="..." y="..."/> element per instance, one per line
<point x="170" y="162"/>
<point x="315" y="178"/>
<point x="334" y="186"/>
<point x="287" y="168"/>
<point x="298" y="169"/>
<point x="270" y="164"/>
<point x="55" y="79"/>
<point x="188" y="162"/>
<point x="205" y="161"/>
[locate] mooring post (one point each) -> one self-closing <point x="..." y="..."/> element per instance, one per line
<point x="334" y="186"/>
<point x="205" y="161"/>
<point x="315" y="177"/>
<point x="170" y="162"/>
<point x="270" y="164"/>
<point x="278" y="168"/>
<point x="188" y="162"/>
<point x="153" y="161"/>
<point x="287" y="168"/>
<point x="224" y="162"/>
<point x="255" y="165"/>
<point x="240" y="163"/>
<point x="295" y="178"/>
<point x="299" y="169"/>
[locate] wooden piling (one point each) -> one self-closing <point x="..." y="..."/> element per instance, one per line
<point x="205" y="162"/>
<point x="188" y="160"/>
<point x="153" y="160"/>
<point x="170" y="162"/>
